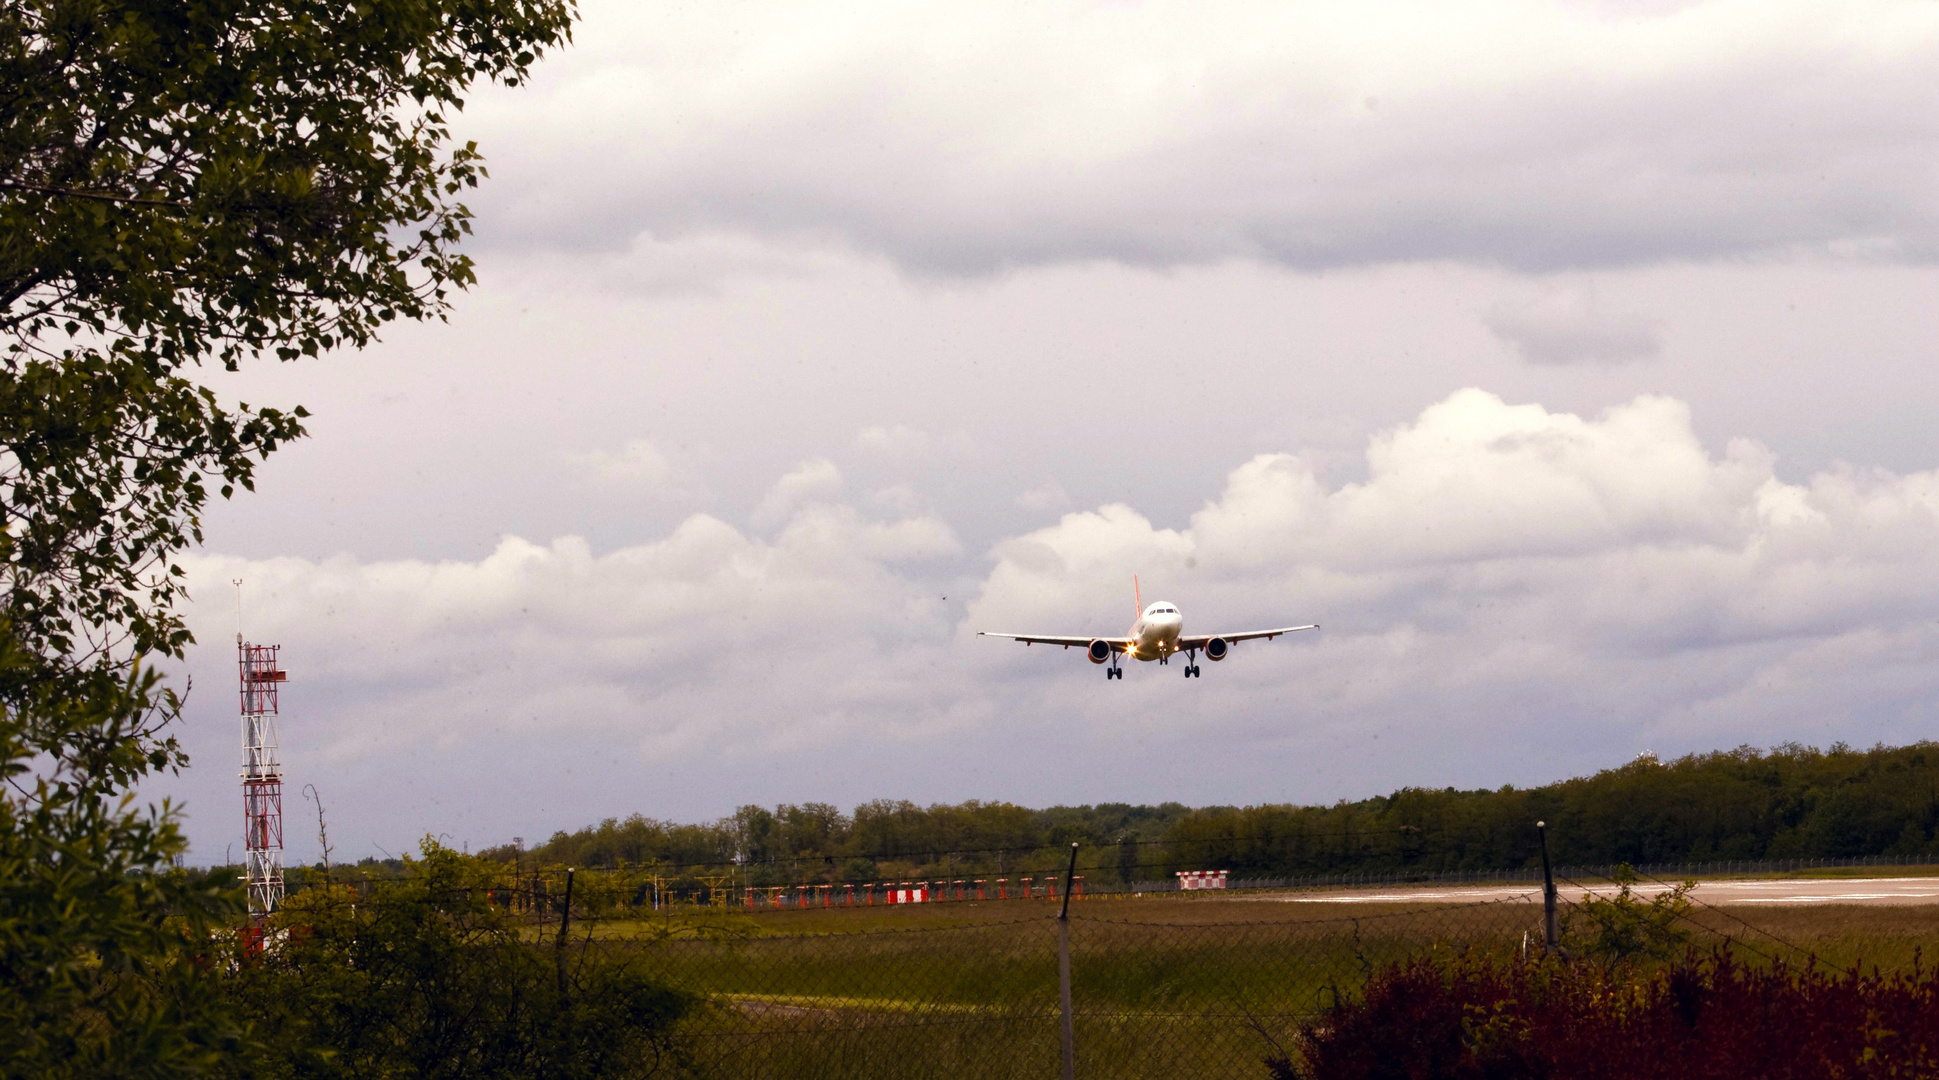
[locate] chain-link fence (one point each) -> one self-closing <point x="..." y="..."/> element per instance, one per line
<point x="1207" y="985"/>
<point x="920" y="981"/>
<point x="633" y="888"/>
<point x="1154" y="988"/>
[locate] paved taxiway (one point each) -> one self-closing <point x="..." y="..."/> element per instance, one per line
<point x="1915" y="890"/>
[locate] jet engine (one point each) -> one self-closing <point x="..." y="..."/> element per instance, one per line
<point x="1216" y="649"/>
<point x="1099" y="651"/>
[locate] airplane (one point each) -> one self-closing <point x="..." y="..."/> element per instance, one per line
<point x="1155" y="636"/>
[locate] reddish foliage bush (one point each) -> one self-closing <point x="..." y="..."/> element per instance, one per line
<point x="1703" y="1018"/>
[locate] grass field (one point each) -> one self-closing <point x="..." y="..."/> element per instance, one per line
<point x="1206" y="984"/>
<point x="1838" y="872"/>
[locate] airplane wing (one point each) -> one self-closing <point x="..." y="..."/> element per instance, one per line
<point x="1118" y="644"/>
<point x="1198" y="641"/>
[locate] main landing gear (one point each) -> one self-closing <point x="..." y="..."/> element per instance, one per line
<point x="1191" y="666"/>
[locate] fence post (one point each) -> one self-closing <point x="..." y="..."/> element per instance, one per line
<point x="565" y="923"/>
<point x="1063" y="971"/>
<point x="1551" y="932"/>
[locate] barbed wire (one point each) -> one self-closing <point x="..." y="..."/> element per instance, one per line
<point x="1747" y="924"/>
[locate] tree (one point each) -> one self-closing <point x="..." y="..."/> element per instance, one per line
<point x="96" y="977"/>
<point x="182" y="182"/>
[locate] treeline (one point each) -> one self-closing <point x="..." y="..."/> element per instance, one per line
<point x="881" y="840"/>
<point x="1791" y="802"/>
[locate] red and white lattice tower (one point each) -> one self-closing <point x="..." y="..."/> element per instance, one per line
<point x="262" y="778"/>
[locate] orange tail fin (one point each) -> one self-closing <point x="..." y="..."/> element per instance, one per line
<point x="1137" y="597"/>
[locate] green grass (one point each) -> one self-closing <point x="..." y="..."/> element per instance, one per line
<point x="1158" y="984"/>
<point x="1836" y="872"/>
<point x="1889" y="937"/>
<point x="1162" y="985"/>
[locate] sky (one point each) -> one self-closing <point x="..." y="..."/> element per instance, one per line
<point x="1571" y="363"/>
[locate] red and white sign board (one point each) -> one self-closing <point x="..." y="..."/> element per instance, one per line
<point x="1201" y="879"/>
<point x="908" y="896"/>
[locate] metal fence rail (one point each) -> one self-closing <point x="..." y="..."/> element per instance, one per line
<point x="637" y="887"/>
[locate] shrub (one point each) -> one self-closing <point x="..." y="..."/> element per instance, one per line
<point x="1624" y="929"/>
<point x="1699" y="1018"/>
<point x="426" y="978"/>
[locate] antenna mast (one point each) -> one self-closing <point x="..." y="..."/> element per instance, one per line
<point x="262" y="777"/>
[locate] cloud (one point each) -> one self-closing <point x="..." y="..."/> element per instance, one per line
<point x="1502" y="552"/>
<point x="811" y="481"/>
<point x="966" y="139"/>
<point x="1049" y="495"/>
<point x="1509" y="593"/>
<point x="638" y="464"/>
<point x="656" y="644"/>
<point x="901" y="444"/>
<point x="1570" y="327"/>
<point x="694" y="263"/>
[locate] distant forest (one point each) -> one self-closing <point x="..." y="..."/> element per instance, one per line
<point x="1791" y="802"/>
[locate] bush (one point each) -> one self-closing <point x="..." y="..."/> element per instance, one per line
<point x="1699" y="1017"/>
<point x="426" y="978"/>
<point x="1624" y="928"/>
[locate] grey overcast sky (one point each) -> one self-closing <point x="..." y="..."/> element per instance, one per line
<point x="1573" y="363"/>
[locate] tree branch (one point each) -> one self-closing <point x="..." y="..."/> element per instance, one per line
<point x="97" y="196"/>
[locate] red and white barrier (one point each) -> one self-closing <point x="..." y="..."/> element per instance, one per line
<point x="1201" y="879"/>
<point x="908" y="896"/>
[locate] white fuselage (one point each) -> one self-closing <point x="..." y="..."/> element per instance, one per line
<point x="1155" y="635"/>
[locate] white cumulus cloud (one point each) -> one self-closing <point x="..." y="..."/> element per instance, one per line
<point x="810" y="482"/>
<point x="655" y="644"/>
<point x="1510" y="593"/>
<point x="1498" y="552"/>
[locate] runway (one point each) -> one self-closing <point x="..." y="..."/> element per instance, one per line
<point x="1797" y="891"/>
